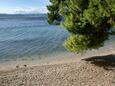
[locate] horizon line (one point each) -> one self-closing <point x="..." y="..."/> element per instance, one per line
<point x="20" y="13"/>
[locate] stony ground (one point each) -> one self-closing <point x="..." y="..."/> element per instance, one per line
<point x="68" y="74"/>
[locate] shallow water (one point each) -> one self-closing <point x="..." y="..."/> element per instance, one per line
<point x="29" y="36"/>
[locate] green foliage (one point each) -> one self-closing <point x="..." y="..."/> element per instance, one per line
<point x="53" y="16"/>
<point x="88" y="21"/>
<point x="77" y="43"/>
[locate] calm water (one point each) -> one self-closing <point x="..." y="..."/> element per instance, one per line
<point x="28" y="36"/>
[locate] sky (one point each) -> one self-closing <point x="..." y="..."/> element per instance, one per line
<point x="23" y="6"/>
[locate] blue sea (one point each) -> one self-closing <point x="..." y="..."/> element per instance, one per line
<point x="30" y="37"/>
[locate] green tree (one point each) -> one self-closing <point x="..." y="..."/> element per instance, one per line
<point x="90" y="22"/>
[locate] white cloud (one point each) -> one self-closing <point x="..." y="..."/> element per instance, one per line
<point x="5" y="10"/>
<point x="43" y="10"/>
<point x="24" y="10"/>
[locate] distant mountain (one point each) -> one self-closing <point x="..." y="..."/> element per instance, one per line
<point x="23" y="16"/>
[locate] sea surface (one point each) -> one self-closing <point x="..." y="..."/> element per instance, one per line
<point x="30" y="37"/>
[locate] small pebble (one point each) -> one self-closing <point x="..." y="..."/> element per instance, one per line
<point x="17" y="66"/>
<point x="25" y="65"/>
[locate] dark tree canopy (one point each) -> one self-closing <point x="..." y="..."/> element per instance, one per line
<point x="90" y="22"/>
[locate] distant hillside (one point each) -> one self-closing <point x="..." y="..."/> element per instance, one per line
<point x="24" y="16"/>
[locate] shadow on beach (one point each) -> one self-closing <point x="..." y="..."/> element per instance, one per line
<point x="107" y="61"/>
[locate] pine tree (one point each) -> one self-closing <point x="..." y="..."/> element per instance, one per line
<point x="89" y="22"/>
